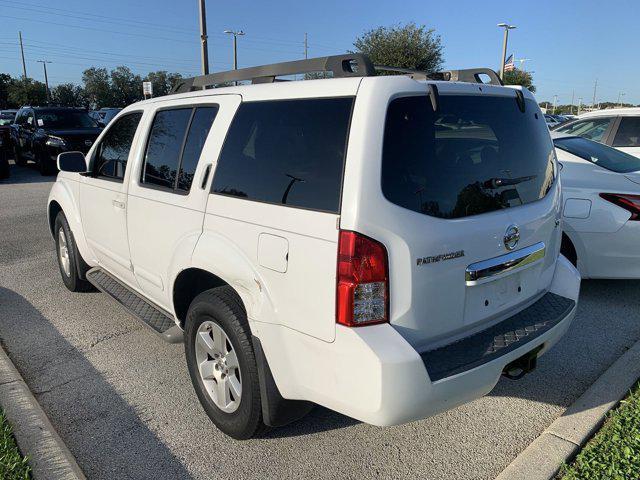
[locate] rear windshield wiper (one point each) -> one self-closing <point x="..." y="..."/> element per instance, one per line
<point x="498" y="182"/>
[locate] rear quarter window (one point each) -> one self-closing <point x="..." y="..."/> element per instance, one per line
<point x="476" y="154"/>
<point x="287" y="152"/>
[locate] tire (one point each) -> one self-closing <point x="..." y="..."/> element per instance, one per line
<point x="5" y="172"/>
<point x="221" y="308"/>
<point x="68" y="256"/>
<point x="44" y="165"/>
<point x="17" y="157"/>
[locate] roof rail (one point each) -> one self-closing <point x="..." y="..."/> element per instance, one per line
<point x="347" y="65"/>
<point x="470" y="75"/>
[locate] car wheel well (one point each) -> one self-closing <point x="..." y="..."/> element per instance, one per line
<point x="188" y="285"/>
<point x="568" y="249"/>
<point x="54" y="209"/>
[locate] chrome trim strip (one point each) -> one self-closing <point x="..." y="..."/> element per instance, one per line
<point x="504" y="263"/>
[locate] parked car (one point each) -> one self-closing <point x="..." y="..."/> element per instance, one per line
<point x="616" y="127"/>
<point x="104" y="115"/>
<point x="601" y="187"/>
<point x="383" y="246"/>
<point x="6" y="119"/>
<point x="551" y="120"/>
<point x="39" y="134"/>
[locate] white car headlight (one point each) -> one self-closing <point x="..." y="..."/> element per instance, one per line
<point x="55" y="142"/>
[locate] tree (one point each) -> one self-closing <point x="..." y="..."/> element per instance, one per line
<point x="519" y="77"/>
<point x="26" y="91"/>
<point x="97" y="87"/>
<point x="162" y="81"/>
<point x="68" y="95"/>
<point x="126" y="87"/>
<point x="408" y="46"/>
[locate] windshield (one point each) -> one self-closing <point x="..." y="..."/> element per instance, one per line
<point x="476" y="154"/>
<point x="65" y="119"/>
<point x="602" y="155"/>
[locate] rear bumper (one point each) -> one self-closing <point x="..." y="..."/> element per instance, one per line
<point x="374" y="375"/>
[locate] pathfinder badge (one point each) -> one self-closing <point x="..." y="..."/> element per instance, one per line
<point x="441" y="257"/>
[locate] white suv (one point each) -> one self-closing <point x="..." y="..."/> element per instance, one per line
<point x="385" y="246"/>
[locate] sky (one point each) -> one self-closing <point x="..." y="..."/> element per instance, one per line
<point x="570" y="43"/>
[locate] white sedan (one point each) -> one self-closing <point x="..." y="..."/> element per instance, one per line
<point x="601" y="189"/>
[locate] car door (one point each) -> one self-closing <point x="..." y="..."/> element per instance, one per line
<point x="627" y="136"/>
<point x="103" y="196"/>
<point x="168" y="188"/>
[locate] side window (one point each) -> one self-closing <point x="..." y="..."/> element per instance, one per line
<point x="174" y="147"/>
<point x="113" y="152"/>
<point x="628" y="134"/>
<point x="287" y="152"/>
<point x="30" y="120"/>
<point x="592" y="128"/>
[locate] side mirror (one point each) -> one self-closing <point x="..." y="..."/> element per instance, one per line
<point x="72" y="162"/>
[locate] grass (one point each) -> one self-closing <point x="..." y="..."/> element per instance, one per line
<point x="13" y="466"/>
<point x="614" y="452"/>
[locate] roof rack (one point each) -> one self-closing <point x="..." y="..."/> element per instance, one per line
<point x="341" y="66"/>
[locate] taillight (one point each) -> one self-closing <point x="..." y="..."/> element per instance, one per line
<point x="630" y="203"/>
<point x="363" y="281"/>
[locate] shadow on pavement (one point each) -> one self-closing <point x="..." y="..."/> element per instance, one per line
<point x="607" y="325"/>
<point x="86" y="404"/>
<point x="25" y="174"/>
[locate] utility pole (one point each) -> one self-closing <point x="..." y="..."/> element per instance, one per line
<point x="595" y="88"/>
<point x="24" y="65"/>
<point x="306" y="47"/>
<point x="620" y="95"/>
<point x="235" y="47"/>
<point x="506" y="27"/>
<point x="573" y="92"/>
<point x="203" y="37"/>
<point x="555" y="101"/>
<point x="579" y="104"/>
<point x="46" y="79"/>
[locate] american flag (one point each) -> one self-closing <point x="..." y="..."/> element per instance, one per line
<point x="508" y="64"/>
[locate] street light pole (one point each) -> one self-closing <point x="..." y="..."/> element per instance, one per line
<point x="46" y="79"/>
<point x="555" y="102"/>
<point x="579" y="105"/>
<point x="203" y="38"/>
<point x="506" y="27"/>
<point x="235" y="45"/>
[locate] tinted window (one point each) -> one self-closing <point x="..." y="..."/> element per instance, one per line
<point x="198" y="131"/>
<point x="113" y="151"/>
<point x="628" y="133"/>
<point x="163" y="149"/>
<point x="286" y="152"/>
<point x="592" y="128"/>
<point x="165" y="154"/>
<point x="475" y="154"/>
<point x="600" y="154"/>
<point x="65" y="119"/>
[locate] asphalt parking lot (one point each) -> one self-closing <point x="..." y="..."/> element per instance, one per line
<point x="122" y="400"/>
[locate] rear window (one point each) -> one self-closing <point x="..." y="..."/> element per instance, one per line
<point x="476" y="154"/>
<point x="288" y="152"/>
<point x="591" y="128"/>
<point x="605" y="157"/>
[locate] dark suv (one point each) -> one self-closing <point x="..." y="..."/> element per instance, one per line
<point x="39" y="134"/>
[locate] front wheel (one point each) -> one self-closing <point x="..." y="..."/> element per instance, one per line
<point x="68" y="256"/>
<point x="222" y="363"/>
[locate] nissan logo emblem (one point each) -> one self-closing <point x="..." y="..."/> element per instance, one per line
<point x="511" y="237"/>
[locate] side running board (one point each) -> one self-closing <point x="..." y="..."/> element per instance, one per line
<point x="156" y="318"/>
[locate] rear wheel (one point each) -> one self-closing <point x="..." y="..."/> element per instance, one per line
<point x="4" y="164"/>
<point x="222" y="363"/>
<point x="568" y="250"/>
<point x="17" y="157"/>
<point x="68" y="256"/>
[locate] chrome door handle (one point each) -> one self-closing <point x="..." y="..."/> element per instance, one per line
<point x="118" y="204"/>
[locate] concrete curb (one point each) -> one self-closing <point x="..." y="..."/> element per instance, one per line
<point x="49" y="457"/>
<point x="562" y="440"/>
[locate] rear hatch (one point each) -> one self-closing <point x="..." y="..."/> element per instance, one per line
<point x="472" y="190"/>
